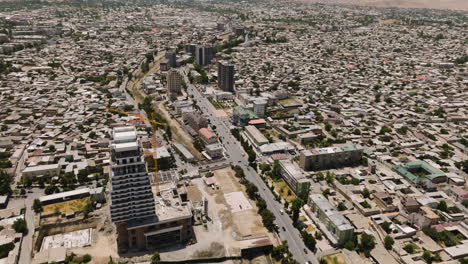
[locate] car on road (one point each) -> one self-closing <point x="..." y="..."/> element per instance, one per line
<point x="305" y="250"/>
<point x="282" y="211"/>
<point x="284" y="229"/>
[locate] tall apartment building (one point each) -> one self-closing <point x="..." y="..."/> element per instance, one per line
<point x="172" y="58"/>
<point x="190" y="48"/>
<point x="259" y="107"/>
<point x="174" y="83"/>
<point x="332" y="157"/>
<point x="144" y="220"/>
<point x="203" y="55"/>
<point x="132" y="200"/>
<point x="226" y="76"/>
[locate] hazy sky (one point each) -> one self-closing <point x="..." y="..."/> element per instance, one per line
<point x="442" y="4"/>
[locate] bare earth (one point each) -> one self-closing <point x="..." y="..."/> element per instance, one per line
<point x="435" y="4"/>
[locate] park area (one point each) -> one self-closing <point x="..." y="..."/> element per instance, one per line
<point x="283" y="189"/>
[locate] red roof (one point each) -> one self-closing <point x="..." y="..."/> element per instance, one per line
<point x="279" y="156"/>
<point x="257" y="121"/>
<point x="206" y="133"/>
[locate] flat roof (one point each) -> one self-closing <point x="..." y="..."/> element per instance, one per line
<point x="63" y="194"/>
<point x="185" y="152"/>
<point x="331" y="150"/>
<point x="256" y="134"/>
<point x="129" y="146"/>
<point x="125" y="136"/>
<point x="42" y="167"/>
<point x="457" y="251"/>
<point x="278" y="146"/>
<point x="333" y="215"/>
<point x="169" y="206"/>
<point x="292" y="169"/>
<point x="405" y="170"/>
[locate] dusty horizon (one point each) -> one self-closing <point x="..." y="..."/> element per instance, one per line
<point x="430" y="4"/>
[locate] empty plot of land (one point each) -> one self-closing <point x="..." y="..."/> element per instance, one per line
<point x="227" y="181"/>
<point x="237" y="201"/>
<point x="194" y="193"/>
<point x="65" y="207"/>
<point x="335" y="259"/>
<point x="220" y="113"/>
<point x="74" y="239"/>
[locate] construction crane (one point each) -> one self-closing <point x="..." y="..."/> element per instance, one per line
<point x="154" y="125"/>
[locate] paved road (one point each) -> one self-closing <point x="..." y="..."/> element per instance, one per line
<point x="27" y="244"/>
<point x="238" y="156"/>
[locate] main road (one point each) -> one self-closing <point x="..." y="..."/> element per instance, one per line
<point x="238" y="157"/>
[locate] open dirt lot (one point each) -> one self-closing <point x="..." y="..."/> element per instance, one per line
<point x="224" y="229"/>
<point x="66" y="207"/>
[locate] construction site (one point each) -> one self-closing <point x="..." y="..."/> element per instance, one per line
<point x="226" y="222"/>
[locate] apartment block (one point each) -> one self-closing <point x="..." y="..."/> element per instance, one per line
<point x="132" y="201"/>
<point x="174" y="83"/>
<point x="332" y="157"/>
<point x="295" y="178"/>
<point x="333" y="224"/>
<point x="226" y="76"/>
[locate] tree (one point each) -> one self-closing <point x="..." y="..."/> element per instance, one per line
<point x="442" y="206"/>
<point x="168" y="133"/>
<point x="341" y="206"/>
<point x="83" y="176"/>
<point x="309" y="240"/>
<point x="296" y="207"/>
<point x="5" y="182"/>
<point x="155" y="258"/>
<point x="261" y="204"/>
<point x="251" y="190"/>
<point x="86" y="258"/>
<point x="268" y="219"/>
<point x="52" y="148"/>
<point x="275" y="171"/>
<point x="20" y="226"/>
<point x="386" y="227"/>
<point x="410" y="248"/>
<point x="88" y="208"/>
<point x="68" y="179"/>
<point x="365" y="193"/>
<point x="279" y="251"/>
<point x="427" y="256"/>
<point x="388" y="242"/>
<point x="198" y="144"/>
<point x="37" y="206"/>
<point x="349" y="245"/>
<point x="252" y="156"/>
<point x="367" y="243"/>
<point x="264" y="167"/>
<point x="330" y="177"/>
<point x="318" y="235"/>
<point x="50" y="189"/>
<point x="320" y="176"/>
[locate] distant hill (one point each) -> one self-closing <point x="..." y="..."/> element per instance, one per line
<point x="436" y="4"/>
